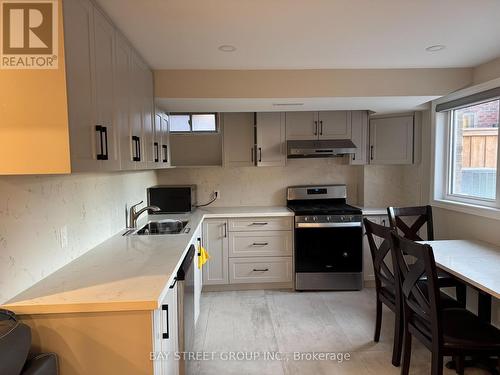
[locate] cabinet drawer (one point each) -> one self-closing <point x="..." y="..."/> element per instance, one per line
<point x="260" y="270"/>
<point x="260" y="224"/>
<point x="265" y="243"/>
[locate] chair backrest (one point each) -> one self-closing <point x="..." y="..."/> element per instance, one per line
<point x="399" y="218"/>
<point x="379" y="239"/>
<point x="421" y="300"/>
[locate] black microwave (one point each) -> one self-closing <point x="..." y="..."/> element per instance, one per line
<point x="172" y="198"/>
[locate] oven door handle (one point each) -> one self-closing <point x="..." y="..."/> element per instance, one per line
<point x="329" y="225"/>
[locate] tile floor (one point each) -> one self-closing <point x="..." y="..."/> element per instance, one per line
<point x="239" y="323"/>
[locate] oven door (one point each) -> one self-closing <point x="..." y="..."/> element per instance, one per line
<point x="329" y="249"/>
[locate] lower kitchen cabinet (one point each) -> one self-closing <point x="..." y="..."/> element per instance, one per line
<point x="249" y="250"/>
<point x="166" y="335"/>
<point x="198" y="274"/>
<point x="215" y="240"/>
<point x="368" y="274"/>
<point x="260" y="270"/>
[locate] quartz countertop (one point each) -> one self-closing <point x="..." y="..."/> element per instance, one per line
<point x="124" y="273"/>
<point x="372" y="211"/>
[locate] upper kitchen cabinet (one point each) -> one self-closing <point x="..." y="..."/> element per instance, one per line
<point x="318" y="125"/>
<point x="239" y="138"/>
<point x="163" y="138"/>
<point x="89" y="46"/>
<point x="359" y="136"/>
<point x="271" y="149"/>
<point x="391" y="140"/>
<point x="301" y="125"/>
<point x="334" y="124"/>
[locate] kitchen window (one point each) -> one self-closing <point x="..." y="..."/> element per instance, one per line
<point x="193" y="122"/>
<point x="470" y="142"/>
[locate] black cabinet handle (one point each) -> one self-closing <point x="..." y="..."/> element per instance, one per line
<point x="261" y="270"/>
<point x="260" y="154"/>
<point x="136" y="145"/>
<point x="371" y="152"/>
<point x="157" y="152"/>
<point x="251" y="153"/>
<point x="166" y="335"/>
<point x="103" y="140"/>
<point x="321" y="127"/>
<point x="259" y="223"/>
<point x="165" y="153"/>
<point x="260" y="244"/>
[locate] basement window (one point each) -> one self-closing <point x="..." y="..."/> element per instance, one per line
<point x="193" y="122"/>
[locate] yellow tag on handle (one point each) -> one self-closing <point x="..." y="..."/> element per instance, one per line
<point x="203" y="257"/>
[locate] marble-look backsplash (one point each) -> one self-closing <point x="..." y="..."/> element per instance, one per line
<point x="372" y="186"/>
<point x="35" y="209"/>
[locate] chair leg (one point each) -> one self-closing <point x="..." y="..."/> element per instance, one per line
<point x="459" y="364"/>
<point x="461" y="293"/>
<point x="378" y="321"/>
<point x="398" y="339"/>
<point x="405" y="367"/>
<point x="437" y="364"/>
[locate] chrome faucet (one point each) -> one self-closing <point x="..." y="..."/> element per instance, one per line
<point x="133" y="215"/>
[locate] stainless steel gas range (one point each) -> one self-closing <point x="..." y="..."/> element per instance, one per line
<point x="328" y="238"/>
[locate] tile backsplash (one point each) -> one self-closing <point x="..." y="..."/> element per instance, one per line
<point x="47" y="221"/>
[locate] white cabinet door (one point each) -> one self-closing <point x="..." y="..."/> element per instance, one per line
<point x="368" y="273"/>
<point x="239" y="139"/>
<point x="104" y="41"/>
<point x="391" y="140"/>
<point x="271" y="139"/>
<point x="79" y="42"/>
<point x="123" y="97"/>
<point x="334" y="124"/>
<point x="136" y="110"/>
<point x="301" y="125"/>
<point x="165" y="335"/>
<point x="215" y="241"/>
<point x="147" y="118"/>
<point x="359" y="130"/>
<point x="198" y="274"/>
<point x="165" y="142"/>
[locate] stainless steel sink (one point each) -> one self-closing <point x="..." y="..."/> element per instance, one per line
<point x="167" y="226"/>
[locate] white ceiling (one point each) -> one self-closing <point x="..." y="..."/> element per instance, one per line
<point x="303" y="34"/>
<point x="380" y="105"/>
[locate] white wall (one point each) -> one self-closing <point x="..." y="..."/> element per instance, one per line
<point x="33" y="209"/>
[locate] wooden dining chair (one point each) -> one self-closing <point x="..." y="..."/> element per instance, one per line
<point x="379" y="239"/>
<point x="444" y="331"/>
<point x="409" y="221"/>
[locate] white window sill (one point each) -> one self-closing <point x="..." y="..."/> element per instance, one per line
<point x="483" y="211"/>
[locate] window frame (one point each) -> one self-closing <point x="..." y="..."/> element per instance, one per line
<point x="442" y="157"/>
<point x="191" y="131"/>
<point x="450" y="136"/>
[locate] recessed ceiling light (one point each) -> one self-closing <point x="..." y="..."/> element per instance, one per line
<point x="227" y="48"/>
<point x="436" y="48"/>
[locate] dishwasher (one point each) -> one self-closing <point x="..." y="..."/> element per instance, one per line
<point x="185" y="308"/>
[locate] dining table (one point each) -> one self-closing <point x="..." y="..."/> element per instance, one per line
<point x="477" y="264"/>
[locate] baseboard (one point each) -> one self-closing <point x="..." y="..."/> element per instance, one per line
<point x="231" y="287"/>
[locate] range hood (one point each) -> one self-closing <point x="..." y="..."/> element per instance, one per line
<point x="324" y="148"/>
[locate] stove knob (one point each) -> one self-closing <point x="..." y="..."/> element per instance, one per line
<point x="328" y="218"/>
<point x="342" y="218"/>
<point x="306" y="218"/>
<point x="315" y="218"/>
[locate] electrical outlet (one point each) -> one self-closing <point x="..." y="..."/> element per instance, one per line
<point x="217" y="194"/>
<point x="62" y="236"/>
